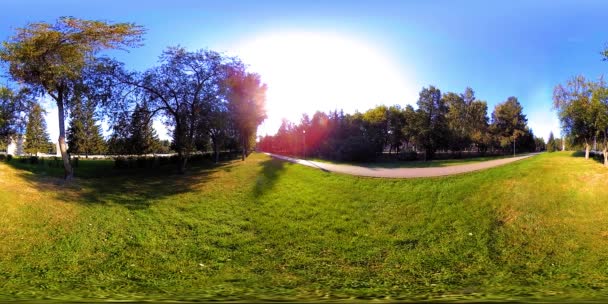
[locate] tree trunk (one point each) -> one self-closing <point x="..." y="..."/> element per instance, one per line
<point x="181" y="163"/>
<point x="243" y="155"/>
<point x="587" y="148"/>
<point x="67" y="167"/>
<point x="216" y="151"/>
<point x="605" y="152"/>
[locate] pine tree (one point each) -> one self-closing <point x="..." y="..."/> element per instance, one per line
<point x="551" y="143"/>
<point x="143" y="139"/>
<point x="84" y="135"/>
<point x="118" y="143"/>
<point x="36" y="136"/>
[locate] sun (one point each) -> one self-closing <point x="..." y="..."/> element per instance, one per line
<point x="306" y="72"/>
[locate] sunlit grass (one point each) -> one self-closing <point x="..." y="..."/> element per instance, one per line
<point x="264" y="229"/>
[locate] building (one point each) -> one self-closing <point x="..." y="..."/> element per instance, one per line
<point x="16" y="147"/>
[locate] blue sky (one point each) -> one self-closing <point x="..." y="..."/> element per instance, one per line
<point x="500" y="49"/>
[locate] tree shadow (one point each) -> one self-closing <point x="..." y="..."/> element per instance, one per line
<point x="598" y="157"/>
<point x="268" y="176"/>
<point x="133" y="189"/>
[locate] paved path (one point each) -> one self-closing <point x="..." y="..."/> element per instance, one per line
<point x="401" y="172"/>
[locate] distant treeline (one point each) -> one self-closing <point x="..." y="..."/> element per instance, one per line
<point x="450" y="122"/>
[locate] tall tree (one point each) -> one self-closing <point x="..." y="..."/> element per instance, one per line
<point x="119" y="141"/>
<point x="12" y="113"/>
<point x="410" y="125"/>
<point x="246" y="102"/>
<point x="508" y="122"/>
<point x="458" y="120"/>
<point x="576" y="112"/>
<point x="143" y="138"/>
<point x="551" y="143"/>
<point x="600" y="105"/>
<point x="375" y="127"/>
<point x="478" y="123"/>
<point x="432" y="124"/>
<point x="51" y="58"/>
<point x="84" y="134"/>
<point x="36" y="136"/>
<point x="396" y="123"/>
<point x="185" y="88"/>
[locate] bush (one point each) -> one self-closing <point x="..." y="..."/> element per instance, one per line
<point x="407" y="155"/>
<point x="9" y="157"/>
<point x="2" y="157"/>
<point x="34" y="160"/>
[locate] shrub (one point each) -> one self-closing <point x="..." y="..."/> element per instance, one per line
<point x="2" y="157"/>
<point x="33" y="160"/>
<point x="120" y="163"/>
<point x="407" y="155"/>
<point x="9" y="157"/>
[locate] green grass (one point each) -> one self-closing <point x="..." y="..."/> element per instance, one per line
<point x="418" y="164"/>
<point x="266" y="229"/>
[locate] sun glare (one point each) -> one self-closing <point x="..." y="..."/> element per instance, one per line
<point x="306" y="72"/>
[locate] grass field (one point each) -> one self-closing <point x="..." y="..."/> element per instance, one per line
<point x="266" y="229"/>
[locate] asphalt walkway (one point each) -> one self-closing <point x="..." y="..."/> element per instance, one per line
<point x="401" y="172"/>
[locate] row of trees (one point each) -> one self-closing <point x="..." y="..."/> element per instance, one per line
<point x="443" y="122"/>
<point x="582" y="105"/>
<point x="202" y="96"/>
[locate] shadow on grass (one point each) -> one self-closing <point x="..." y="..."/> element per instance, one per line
<point x="131" y="188"/>
<point x="268" y="176"/>
<point x="599" y="158"/>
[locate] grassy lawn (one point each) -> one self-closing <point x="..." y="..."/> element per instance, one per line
<point x="266" y="229"/>
<point x="418" y="164"/>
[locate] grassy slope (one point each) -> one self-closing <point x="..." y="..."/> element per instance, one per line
<point x="265" y="228"/>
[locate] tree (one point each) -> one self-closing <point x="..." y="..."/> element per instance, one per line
<point x="410" y="125"/>
<point x="143" y="138"/>
<point x="432" y="124"/>
<point x="375" y="127"/>
<point x="600" y="105"/>
<point x="184" y="87"/>
<point x="458" y="121"/>
<point x="83" y="134"/>
<point x="576" y="112"/>
<point x="119" y="141"/>
<point x="12" y="108"/>
<point x="539" y="144"/>
<point x="246" y="102"/>
<point x="508" y="122"/>
<point x="51" y="58"/>
<point x="36" y="136"/>
<point x="396" y="124"/>
<point x="478" y="122"/>
<point x="551" y="143"/>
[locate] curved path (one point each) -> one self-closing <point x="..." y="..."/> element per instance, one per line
<point x="401" y="172"/>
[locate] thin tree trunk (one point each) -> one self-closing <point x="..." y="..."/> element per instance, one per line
<point x="243" y="148"/>
<point x="68" y="172"/>
<point x="216" y="151"/>
<point x="605" y="155"/>
<point x="587" y="148"/>
<point x="181" y="162"/>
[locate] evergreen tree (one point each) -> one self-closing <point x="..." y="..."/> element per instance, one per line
<point x="36" y="136"/>
<point x="118" y="144"/>
<point x="551" y="143"/>
<point x="84" y="135"/>
<point x="143" y="139"/>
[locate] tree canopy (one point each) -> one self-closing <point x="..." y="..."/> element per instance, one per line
<point x="51" y="58"/>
